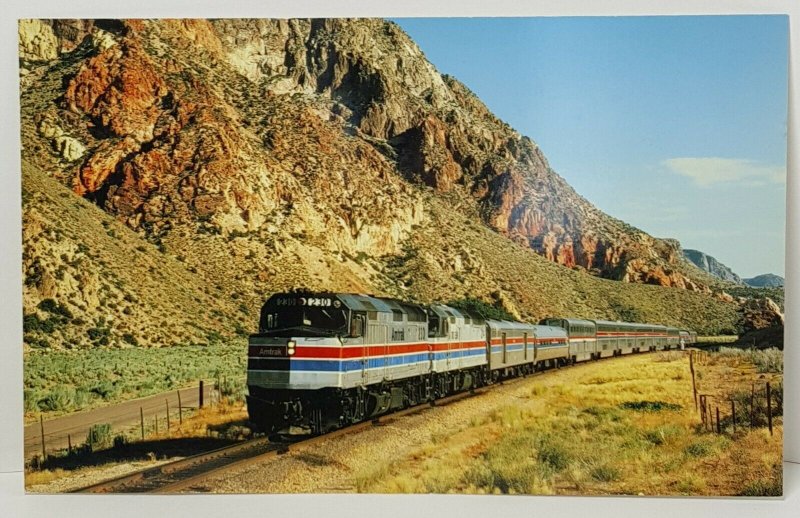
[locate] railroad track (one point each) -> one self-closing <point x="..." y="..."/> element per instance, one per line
<point x="188" y="474"/>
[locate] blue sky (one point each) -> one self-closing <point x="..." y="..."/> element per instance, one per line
<point x="676" y="125"/>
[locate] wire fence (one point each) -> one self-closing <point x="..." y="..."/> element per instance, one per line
<point x="739" y="410"/>
<point x="157" y="417"/>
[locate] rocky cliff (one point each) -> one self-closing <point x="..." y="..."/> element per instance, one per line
<point x="269" y="154"/>
<point x="711" y="265"/>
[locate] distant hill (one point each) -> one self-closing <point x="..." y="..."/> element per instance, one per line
<point x="768" y="280"/>
<point x="711" y="265"/>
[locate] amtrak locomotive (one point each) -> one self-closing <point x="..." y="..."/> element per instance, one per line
<point x="321" y="361"/>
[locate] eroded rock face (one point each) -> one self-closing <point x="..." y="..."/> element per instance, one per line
<point x="761" y="314"/>
<point x="242" y="123"/>
<point x="37" y="42"/>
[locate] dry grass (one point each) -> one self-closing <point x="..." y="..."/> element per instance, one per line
<point x="226" y="421"/>
<point x="35" y="478"/>
<point x="617" y="427"/>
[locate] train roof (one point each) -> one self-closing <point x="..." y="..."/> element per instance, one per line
<point x="571" y="321"/>
<point x="549" y="331"/>
<point x="508" y="324"/>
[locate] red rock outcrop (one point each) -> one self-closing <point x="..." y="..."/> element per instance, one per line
<point x="172" y="137"/>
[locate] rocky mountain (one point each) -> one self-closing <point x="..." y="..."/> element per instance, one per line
<point x="711" y="265"/>
<point x="767" y="280"/>
<point x="263" y="155"/>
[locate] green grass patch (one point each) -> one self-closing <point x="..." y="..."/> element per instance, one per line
<point x="65" y="381"/>
<point x="650" y="406"/>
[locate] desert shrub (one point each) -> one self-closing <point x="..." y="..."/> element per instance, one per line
<point x="58" y="398"/>
<point x="99" y="335"/>
<point x="105" y="389"/>
<point x="82" y="397"/>
<point x="603" y="472"/>
<point x="32" y="323"/>
<point x="649" y="406"/>
<point x="698" y="449"/>
<point x="99" y="435"/>
<point x="767" y="360"/>
<point x="51" y="306"/>
<point x="31" y="399"/>
<point x="482" y="308"/>
<point x="552" y="453"/>
<point x="232" y="388"/>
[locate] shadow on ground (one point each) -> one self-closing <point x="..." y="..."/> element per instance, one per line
<point x="133" y="451"/>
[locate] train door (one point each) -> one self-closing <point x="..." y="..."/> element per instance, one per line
<point x="505" y="349"/>
<point x="374" y="365"/>
<point x="525" y="344"/>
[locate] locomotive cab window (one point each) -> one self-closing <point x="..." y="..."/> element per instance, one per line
<point x="304" y="320"/>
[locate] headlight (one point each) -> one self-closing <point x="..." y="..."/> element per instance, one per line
<point x="290" y="345"/>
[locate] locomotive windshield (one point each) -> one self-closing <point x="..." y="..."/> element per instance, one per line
<point x="300" y="318"/>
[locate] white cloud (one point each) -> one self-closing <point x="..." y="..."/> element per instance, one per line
<point x="708" y="171"/>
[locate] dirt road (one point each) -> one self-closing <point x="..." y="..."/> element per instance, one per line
<point x="121" y="417"/>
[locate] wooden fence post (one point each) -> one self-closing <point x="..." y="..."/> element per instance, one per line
<point x="694" y="384"/>
<point x="180" y="408"/>
<point x="769" y="408"/>
<point x="718" y="428"/>
<point x="41" y="429"/>
<point x="200" y="405"/>
<point x="710" y="417"/>
<point x="702" y="409"/>
<point x="69" y="443"/>
<point x="141" y="420"/>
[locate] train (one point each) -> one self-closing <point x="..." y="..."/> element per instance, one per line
<point x="321" y="361"/>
